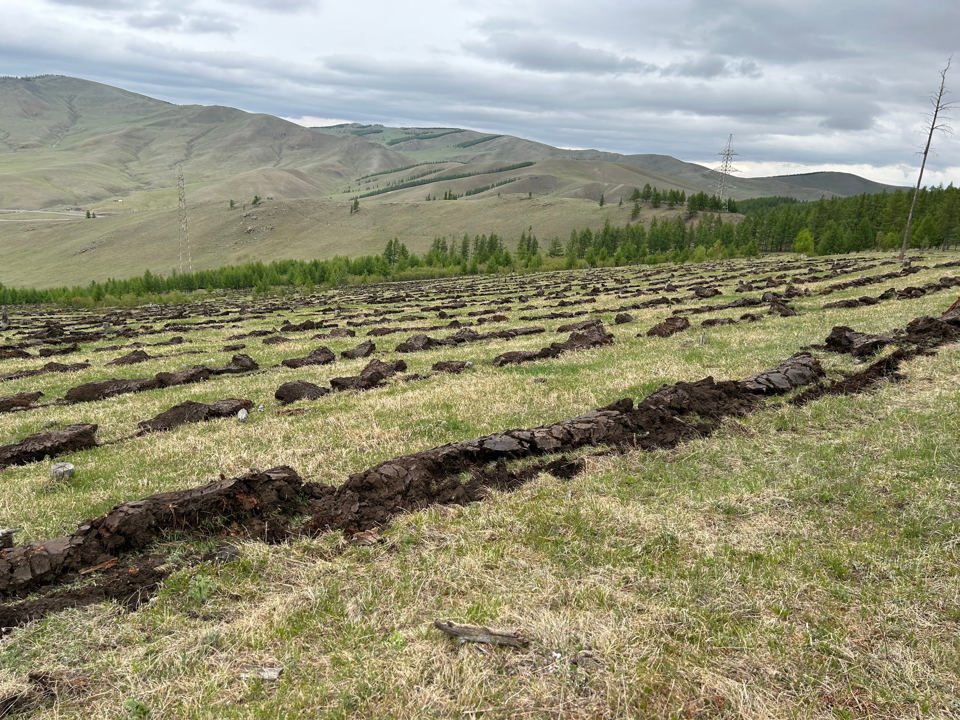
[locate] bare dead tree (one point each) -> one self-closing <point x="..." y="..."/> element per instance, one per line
<point x="940" y="105"/>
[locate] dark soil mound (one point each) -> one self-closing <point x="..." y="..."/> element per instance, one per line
<point x="701" y="291"/>
<point x="195" y="374"/>
<point x="667" y="417"/>
<point x="63" y="350"/>
<point x="952" y="313"/>
<point x="50" y="367"/>
<point x="778" y="307"/>
<point x="371" y="376"/>
<point x="191" y="412"/>
<point x="48" y="444"/>
<point x="622" y="318"/>
<point x="305" y="325"/>
<point x="20" y="401"/>
<point x="883" y="369"/>
<point x="132" y="358"/>
<point x="416" y="343"/>
<point x="320" y="356"/>
<point x="13" y="353"/>
<point x="670" y="326"/>
<point x="930" y="332"/>
<point x="102" y="389"/>
<point x="276" y="340"/>
<point x="364" y="349"/>
<point x="136" y="524"/>
<point x="843" y="339"/>
<point x="713" y="322"/>
<point x="299" y="390"/>
<point x="573" y="327"/>
<point x="801" y="369"/>
<point x="591" y="336"/>
<point x="238" y="364"/>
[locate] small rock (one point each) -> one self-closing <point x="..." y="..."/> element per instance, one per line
<point x="264" y="673"/>
<point x="242" y="415"/>
<point x="62" y="471"/>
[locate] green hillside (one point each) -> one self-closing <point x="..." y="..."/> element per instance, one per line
<point x="68" y="146"/>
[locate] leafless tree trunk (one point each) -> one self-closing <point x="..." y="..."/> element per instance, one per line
<point x="939" y="105"/>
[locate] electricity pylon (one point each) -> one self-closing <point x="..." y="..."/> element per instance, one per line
<point x="726" y="167"/>
<point x="184" y="237"/>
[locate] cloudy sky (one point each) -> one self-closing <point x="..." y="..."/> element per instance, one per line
<point x="801" y="84"/>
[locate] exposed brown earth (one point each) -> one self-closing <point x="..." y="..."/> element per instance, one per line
<point x="191" y="412"/>
<point x="48" y="444"/>
<point x="19" y="401"/>
<point x="670" y="326"/>
<point x="320" y="356"/>
<point x="591" y="335"/>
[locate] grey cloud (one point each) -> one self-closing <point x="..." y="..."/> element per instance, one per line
<point x="100" y="4"/>
<point x="279" y="6"/>
<point x="546" y="54"/>
<point x="713" y="66"/>
<point x="703" y="67"/>
<point x="748" y="69"/>
<point x="210" y="24"/>
<point x="155" y="21"/>
<point x="852" y="118"/>
<point x="169" y="21"/>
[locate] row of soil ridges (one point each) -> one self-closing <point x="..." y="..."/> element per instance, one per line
<point x="265" y="502"/>
<point x="33" y="328"/>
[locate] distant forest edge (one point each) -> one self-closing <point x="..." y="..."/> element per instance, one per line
<point x="825" y="227"/>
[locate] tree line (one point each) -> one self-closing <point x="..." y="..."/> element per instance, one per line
<point x="851" y="224"/>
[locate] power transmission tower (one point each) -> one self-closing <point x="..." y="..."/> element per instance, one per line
<point x="726" y="167"/>
<point x="182" y="206"/>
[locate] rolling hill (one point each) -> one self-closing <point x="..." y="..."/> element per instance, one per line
<point x="68" y="146"/>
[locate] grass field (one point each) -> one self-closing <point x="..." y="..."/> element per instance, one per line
<point x="798" y="562"/>
<point x="46" y="252"/>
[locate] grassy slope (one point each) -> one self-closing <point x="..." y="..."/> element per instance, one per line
<point x="798" y="563"/>
<point x="68" y="143"/>
<point x="120" y="243"/>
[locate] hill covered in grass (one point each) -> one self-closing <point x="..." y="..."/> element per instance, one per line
<point x="261" y="188"/>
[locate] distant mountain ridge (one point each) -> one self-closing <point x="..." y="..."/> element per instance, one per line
<point x="69" y="141"/>
<point x="69" y="145"/>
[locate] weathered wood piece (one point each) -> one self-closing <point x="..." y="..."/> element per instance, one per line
<point x="478" y="634"/>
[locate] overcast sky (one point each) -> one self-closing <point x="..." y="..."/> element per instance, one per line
<point x="802" y="84"/>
